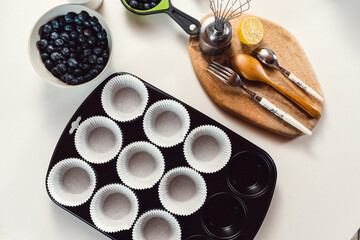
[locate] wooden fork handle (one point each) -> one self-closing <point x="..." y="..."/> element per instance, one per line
<point x="307" y="107"/>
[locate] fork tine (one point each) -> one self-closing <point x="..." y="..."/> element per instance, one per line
<point x="221" y="74"/>
<point x="229" y="70"/>
<point x="220" y="70"/>
<point x="216" y="75"/>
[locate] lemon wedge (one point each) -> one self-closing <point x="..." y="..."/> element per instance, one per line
<point x="250" y="31"/>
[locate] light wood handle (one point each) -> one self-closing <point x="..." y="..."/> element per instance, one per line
<point x="310" y="109"/>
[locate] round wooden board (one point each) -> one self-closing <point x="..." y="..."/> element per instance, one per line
<point x="237" y="102"/>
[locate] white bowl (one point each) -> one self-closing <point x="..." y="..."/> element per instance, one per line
<point x="34" y="53"/>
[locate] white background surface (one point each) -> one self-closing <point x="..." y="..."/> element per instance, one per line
<point x="317" y="192"/>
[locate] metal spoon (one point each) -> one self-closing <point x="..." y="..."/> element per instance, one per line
<point x="268" y="57"/>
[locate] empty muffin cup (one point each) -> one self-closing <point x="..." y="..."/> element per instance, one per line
<point x="182" y="191"/>
<point x="98" y="139"/>
<point x="71" y="182"/>
<point x="114" y="208"/>
<point x="166" y="123"/>
<point x="207" y="149"/>
<point x="140" y="165"/>
<point x="124" y="98"/>
<point x="249" y="174"/>
<point x="224" y="216"/>
<point x="156" y="225"/>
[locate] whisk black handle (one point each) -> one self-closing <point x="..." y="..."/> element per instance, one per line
<point x="186" y="22"/>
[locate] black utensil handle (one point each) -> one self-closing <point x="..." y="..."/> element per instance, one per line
<point x="186" y="22"/>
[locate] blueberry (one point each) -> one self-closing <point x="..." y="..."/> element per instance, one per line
<point x="152" y="4"/>
<point x="93" y="20"/>
<point x="85" y="45"/>
<point x="56" y="56"/>
<point x="72" y="43"/>
<point x="42" y="44"/>
<point x="100" y="60"/>
<point x="61" y="68"/>
<point x="92" y="59"/>
<point x="78" y="72"/>
<point x="87" y="32"/>
<point x="69" y="17"/>
<point x="81" y="38"/>
<point x="61" y="21"/>
<point x="105" y="55"/>
<point x="87" y="52"/>
<point x="72" y="62"/>
<point x="146" y="6"/>
<point x="87" y="23"/>
<point x="99" y="67"/>
<point x="97" y="27"/>
<point x="55" y="24"/>
<point x="85" y="67"/>
<point x="74" y="81"/>
<point x="92" y="41"/>
<point x="46" y="28"/>
<point x="79" y="28"/>
<point x="72" y="55"/>
<point x="80" y="79"/>
<point x="74" y="34"/>
<point x="48" y="64"/>
<point x="67" y="78"/>
<point x="54" y="35"/>
<point x="68" y="28"/>
<point x="85" y="60"/>
<point x="59" y="42"/>
<point x="83" y="15"/>
<point x="54" y="72"/>
<point x="94" y="72"/>
<point x="45" y="35"/>
<point x="78" y="49"/>
<point x="88" y="77"/>
<point x="103" y="43"/>
<point x="65" y="36"/>
<point x="44" y="56"/>
<point x="101" y="35"/>
<point x="65" y="51"/>
<point x="77" y="20"/>
<point x="50" y="49"/>
<point x="97" y="50"/>
<point x="133" y="4"/>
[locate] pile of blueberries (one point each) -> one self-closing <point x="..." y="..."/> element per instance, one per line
<point x="142" y="4"/>
<point x="74" y="47"/>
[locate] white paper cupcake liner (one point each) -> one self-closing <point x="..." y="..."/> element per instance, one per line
<point x="156" y="224"/>
<point x="81" y="177"/>
<point x="166" y="123"/>
<point x="118" y="200"/>
<point x="207" y="149"/>
<point x="98" y="139"/>
<point x="140" y="165"/>
<point x="124" y="98"/>
<point x="182" y="191"/>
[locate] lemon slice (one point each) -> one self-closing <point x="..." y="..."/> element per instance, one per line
<point x="250" y="31"/>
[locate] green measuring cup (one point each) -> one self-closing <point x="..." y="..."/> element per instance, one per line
<point x="186" y="22"/>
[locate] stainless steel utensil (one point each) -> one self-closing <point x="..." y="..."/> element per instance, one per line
<point x="268" y="57"/>
<point x="230" y="77"/>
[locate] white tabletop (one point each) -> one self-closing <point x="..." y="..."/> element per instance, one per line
<point x="316" y="195"/>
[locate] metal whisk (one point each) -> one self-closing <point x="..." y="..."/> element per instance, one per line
<point x="216" y="31"/>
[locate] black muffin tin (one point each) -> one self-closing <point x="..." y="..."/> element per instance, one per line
<point x="238" y="196"/>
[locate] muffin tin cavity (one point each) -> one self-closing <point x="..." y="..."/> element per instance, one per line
<point x="156" y="225"/>
<point x="124" y="98"/>
<point x="114" y="208"/>
<point x="207" y="149"/>
<point x="98" y="139"/>
<point x="168" y="172"/>
<point x="224" y="216"/>
<point x="71" y="182"/>
<point x="249" y="174"/>
<point x="166" y="123"/>
<point x="140" y="165"/>
<point x="182" y="191"/>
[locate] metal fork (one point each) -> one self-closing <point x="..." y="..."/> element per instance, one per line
<point x="228" y="76"/>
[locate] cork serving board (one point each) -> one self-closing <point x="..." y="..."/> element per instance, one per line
<point x="235" y="101"/>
